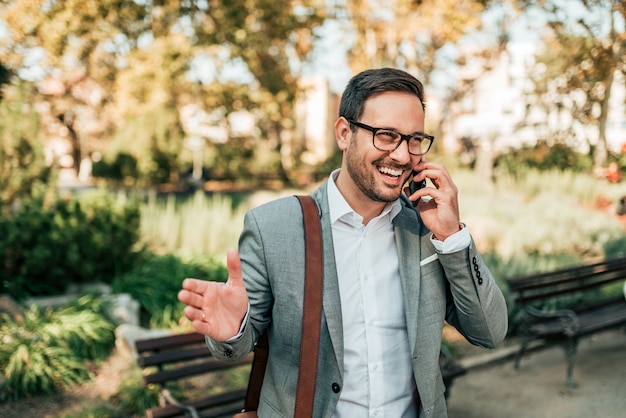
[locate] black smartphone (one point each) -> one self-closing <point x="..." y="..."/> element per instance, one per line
<point x="415" y="186"/>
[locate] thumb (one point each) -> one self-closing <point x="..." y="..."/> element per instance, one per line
<point x="233" y="263"/>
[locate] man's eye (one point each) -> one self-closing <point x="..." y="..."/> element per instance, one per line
<point x="387" y="136"/>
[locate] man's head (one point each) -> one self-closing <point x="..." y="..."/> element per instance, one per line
<point x="378" y="108"/>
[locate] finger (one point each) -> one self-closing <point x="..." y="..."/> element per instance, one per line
<point x="202" y="327"/>
<point x="195" y="314"/>
<point x="190" y="298"/>
<point x="197" y="300"/>
<point x="195" y="285"/>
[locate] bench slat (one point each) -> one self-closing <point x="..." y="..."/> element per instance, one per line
<point x="224" y="404"/>
<point x="170" y="341"/>
<point x="567" y="274"/>
<point x="589" y="321"/>
<point x="193" y="370"/>
<point x="574" y="287"/>
<point x="173" y="356"/>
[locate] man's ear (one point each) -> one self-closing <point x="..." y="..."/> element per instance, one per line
<point x="343" y="133"/>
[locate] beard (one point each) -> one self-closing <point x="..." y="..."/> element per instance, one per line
<point x="366" y="176"/>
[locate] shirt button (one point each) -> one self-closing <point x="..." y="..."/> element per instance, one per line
<point x="336" y="388"/>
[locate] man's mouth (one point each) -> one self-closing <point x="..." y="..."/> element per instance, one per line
<point x="392" y="173"/>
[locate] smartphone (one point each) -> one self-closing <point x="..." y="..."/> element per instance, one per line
<point x="415" y="186"/>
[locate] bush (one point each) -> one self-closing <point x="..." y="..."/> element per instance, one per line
<point x="122" y="168"/>
<point x="50" y="350"/>
<point x="545" y="156"/>
<point x="43" y="248"/>
<point x="155" y="281"/>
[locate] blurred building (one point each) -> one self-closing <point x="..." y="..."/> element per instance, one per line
<point x="316" y="111"/>
<point x="500" y="110"/>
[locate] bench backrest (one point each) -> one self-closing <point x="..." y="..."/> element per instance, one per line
<point x="567" y="281"/>
<point x="188" y="352"/>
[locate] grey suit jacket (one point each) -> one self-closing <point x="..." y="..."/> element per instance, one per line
<point x="454" y="287"/>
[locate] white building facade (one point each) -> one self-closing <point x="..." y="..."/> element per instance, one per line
<point x="502" y="112"/>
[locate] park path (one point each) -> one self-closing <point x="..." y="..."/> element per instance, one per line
<point x="494" y="389"/>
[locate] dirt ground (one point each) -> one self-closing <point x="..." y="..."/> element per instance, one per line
<point x="108" y="377"/>
<point x="538" y="390"/>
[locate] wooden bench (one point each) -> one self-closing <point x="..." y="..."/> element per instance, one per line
<point x="563" y="305"/>
<point x="166" y="360"/>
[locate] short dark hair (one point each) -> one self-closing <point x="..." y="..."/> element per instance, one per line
<point x="376" y="81"/>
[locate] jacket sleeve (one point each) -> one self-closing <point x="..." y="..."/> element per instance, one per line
<point x="476" y="305"/>
<point x="256" y="282"/>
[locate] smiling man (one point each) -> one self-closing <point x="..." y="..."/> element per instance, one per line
<point x="395" y="268"/>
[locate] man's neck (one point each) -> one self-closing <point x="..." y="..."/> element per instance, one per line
<point x="361" y="204"/>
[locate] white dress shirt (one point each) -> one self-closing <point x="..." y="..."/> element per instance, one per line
<point x="377" y="376"/>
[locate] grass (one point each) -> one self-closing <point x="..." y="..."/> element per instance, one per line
<point x="543" y="214"/>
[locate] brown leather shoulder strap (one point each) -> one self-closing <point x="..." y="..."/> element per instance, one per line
<point x="311" y="321"/>
<point x="312" y="315"/>
<point x="257" y="372"/>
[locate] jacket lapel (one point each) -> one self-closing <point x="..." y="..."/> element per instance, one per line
<point x="331" y="305"/>
<point x="407" y="229"/>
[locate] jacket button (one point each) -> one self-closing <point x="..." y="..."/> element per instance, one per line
<point x="336" y="388"/>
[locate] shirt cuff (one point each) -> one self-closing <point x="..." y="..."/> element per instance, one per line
<point x="244" y="322"/>
<point x="455" y="242"/>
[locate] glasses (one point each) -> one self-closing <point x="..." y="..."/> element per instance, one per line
<point x="390" y="140"/>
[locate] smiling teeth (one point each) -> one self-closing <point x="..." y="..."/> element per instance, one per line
<point x="391" y="172"/>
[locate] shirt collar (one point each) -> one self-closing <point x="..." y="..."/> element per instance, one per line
<point x="339" y="207"/>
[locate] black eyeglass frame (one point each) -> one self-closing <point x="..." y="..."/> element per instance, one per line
<point x="403" y="137"/>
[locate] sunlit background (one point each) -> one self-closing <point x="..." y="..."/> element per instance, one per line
<point x="134" y="135"/>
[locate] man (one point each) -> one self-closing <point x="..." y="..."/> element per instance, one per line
<point x="392" y="273"/>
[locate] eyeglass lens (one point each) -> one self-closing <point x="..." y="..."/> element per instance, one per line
<point x="390" y="140"/>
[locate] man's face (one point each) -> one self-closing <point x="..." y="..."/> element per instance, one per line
<point x="373" y="174"/>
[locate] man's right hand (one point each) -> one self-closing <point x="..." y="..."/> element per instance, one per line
<point x="217" y="309"/>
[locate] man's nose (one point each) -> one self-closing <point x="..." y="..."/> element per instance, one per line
<point x="401" y="154"/>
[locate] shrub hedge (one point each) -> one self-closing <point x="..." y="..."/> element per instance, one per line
<point x="45" y="247"/>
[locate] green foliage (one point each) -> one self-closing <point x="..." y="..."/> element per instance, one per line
<point x="154" y="281"/>
<point x="148" y="149"/>
<point x="23" y="170"/>
<point x="121" y="168"/>
<point x="540" y="213"/>
<point x="131" y="400"/>
<point x="43" y="248"/>
<point x="615" y="248"/>
<point x="323" y="169"/>
<point x="133" y="397"/>
<point x="49" y="349"/>
<point x="205" y="225"/>
<point x="545" y="157"/>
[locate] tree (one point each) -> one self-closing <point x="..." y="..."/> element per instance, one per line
<point x="582" y="55"/>
<point x="78" y="71"/>
<point x="273" y="39"/>
<point x="134" y="58"/>
<point x="23" y="169"/>
<point x="408" y="34"/>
